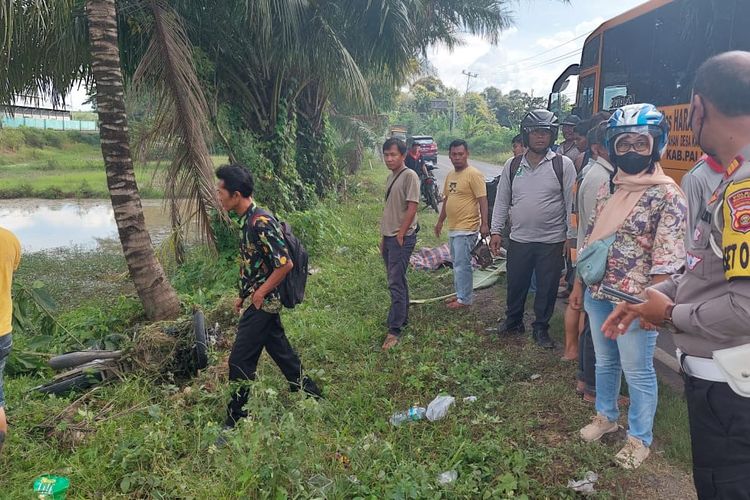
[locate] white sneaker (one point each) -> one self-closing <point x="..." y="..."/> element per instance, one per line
<point x="632" y="455"/>
<point x="598" y="427"/>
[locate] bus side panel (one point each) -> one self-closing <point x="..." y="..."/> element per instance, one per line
<point x="682" y="151"/>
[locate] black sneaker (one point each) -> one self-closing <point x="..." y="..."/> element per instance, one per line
<point x="512" y="330"/>
<point x="542" y="339"/>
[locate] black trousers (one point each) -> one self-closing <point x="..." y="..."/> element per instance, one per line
<point x="720" y="439"/>
<point x="259" y="329"/>
<point x="523" y="259"/>
<point x="587" y="358"/>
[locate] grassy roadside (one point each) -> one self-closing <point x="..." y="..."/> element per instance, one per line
<point x="138" y="439"/>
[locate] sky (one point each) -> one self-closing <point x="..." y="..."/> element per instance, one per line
<point x="547" y="36"/>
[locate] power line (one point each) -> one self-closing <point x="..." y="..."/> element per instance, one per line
<point x="553" y="48"/>
<point x="555" y="59"/>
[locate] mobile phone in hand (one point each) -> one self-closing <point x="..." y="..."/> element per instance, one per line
<point x="619" y="295"/>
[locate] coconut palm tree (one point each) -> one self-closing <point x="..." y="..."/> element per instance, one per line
<point x="48" y="47"/>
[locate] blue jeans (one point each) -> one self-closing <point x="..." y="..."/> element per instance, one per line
<point x="463" y="274"/>
<point x="6" y="342"/>
<point x="632" y="353"/>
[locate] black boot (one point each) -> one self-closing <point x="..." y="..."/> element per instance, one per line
<point x="542" y="338"/>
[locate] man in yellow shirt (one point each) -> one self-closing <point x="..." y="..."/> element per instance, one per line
<point x="10" y="256"/>
<point x="465" y="208"/>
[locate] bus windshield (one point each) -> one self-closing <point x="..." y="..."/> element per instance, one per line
<point x="650" y="54"/>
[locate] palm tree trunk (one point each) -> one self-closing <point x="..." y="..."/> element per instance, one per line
<point x="156" y="293"/>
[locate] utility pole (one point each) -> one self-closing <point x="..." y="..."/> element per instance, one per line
<point x="453" y="114"/>
<point x="469" y="76"/>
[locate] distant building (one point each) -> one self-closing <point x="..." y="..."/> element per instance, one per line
<point x="39" y="113"/>
<point x="26" y="112"/>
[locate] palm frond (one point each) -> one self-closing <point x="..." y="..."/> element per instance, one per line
<point x="181" y="119"/>
<point x="43" y="48"/>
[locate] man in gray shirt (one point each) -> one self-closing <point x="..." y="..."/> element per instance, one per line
<point x="698" y="186"/>
<point x="539" y="188"/>
<point x="398" y="228"/>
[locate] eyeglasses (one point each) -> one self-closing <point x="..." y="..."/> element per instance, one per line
<point x="639" y="146"/>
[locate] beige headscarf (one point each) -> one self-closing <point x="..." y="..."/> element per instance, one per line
<point x="630" y="188"/>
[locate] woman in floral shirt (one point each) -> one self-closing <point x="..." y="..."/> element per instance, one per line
<point x="646" y="216"/>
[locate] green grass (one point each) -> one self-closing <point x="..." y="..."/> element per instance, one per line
<point x="73" y="170"/>
<point x="141" y="439"/>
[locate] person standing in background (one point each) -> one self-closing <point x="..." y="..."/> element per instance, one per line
<point x="10" y="258"/>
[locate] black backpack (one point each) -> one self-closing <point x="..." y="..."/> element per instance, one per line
<point x="292" y="289"/>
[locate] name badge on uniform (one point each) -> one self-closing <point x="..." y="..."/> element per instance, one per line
<point x="736" y="233"/>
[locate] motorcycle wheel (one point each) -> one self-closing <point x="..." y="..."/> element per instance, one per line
<point x="432" y="197"/>
<point x="76" y="382"/>
<point x="200" y="348"/>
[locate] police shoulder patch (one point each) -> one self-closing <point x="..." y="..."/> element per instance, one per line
<point x="736" y="233"/>
<point x="738" y="202"/>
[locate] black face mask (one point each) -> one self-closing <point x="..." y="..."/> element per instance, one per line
<point x="632" y="163"/>
<point x="699" y="132"/>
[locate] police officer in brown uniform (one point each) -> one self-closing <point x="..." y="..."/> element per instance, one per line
<point x="709" y="305"/>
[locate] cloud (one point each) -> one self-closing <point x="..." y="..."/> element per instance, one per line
<point x="450" y="64"/>
<point x="565" y="36"/>
<point x="520" y="61"/>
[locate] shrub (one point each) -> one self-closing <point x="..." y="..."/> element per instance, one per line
<point x="34" y="138"/>
<point x="11" y="139"/>
<point x="54" y="138"/>
<point x="92" y="139"/>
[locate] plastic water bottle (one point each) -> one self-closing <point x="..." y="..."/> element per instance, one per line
<point x="414" y="413"/>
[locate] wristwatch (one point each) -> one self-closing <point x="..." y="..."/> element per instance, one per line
<point x="668" y="318"/>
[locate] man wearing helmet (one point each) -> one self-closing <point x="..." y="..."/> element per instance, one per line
<point x="538" y="188"/>
<point x="569" y="147"/>
<point x="709" y="305"/>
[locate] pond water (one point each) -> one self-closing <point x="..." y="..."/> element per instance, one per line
<point x="85" y="224"/>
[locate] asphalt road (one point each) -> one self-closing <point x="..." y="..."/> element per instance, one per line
<point x="444" y="166"/>
<point x="666" y="362"/>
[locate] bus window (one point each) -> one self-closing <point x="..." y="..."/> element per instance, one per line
<point x="686" y="34"/>
<point x="555" y="103"/>
<point x="616" y="96"/>
<point x="590" y="56"/>
<point x="626" y="60"/>
<point x="585" y="100"/>
<point x="740" y="34"/>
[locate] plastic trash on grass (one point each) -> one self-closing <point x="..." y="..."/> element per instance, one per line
<point x="585" y="485"/>
<point x="438" y="407"/>
<point x="447" y="477"/>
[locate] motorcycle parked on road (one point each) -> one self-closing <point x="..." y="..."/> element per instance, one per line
<point x="430" y="190"/>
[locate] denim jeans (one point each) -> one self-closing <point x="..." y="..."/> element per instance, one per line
<point x="632" y="353"/>
<point x="6" y="342"/>
<point x="396" y="259"/>
<point x="463" y="274"/>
